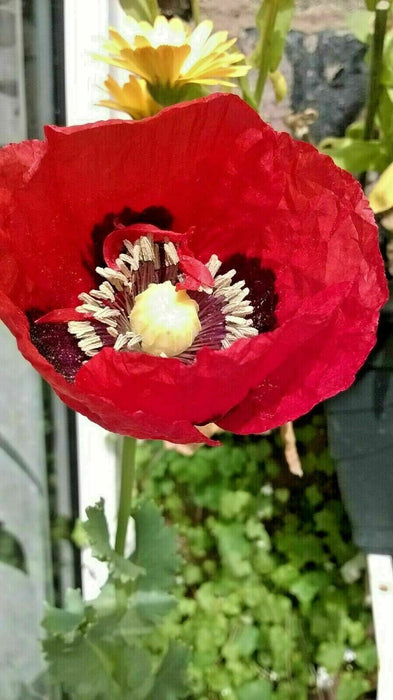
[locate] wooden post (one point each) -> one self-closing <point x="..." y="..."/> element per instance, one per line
<point x="86" y="28"/>
<point x="380" y="571"/>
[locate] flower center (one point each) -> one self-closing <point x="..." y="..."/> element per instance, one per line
<point x="166" y="319"/>
<point x="143" y="306"/>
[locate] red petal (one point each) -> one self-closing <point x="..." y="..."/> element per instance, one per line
<point x="83" y="173"/>
<point x="214" y="165"/>
<point x="196" y="273"/>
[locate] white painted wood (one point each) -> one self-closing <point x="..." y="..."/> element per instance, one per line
<point x="86" y="28"/>
<point x="380" y="570"/>
<point x="97" y="479"/>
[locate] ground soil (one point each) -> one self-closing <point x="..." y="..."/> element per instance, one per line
<point x="310" y="16"/>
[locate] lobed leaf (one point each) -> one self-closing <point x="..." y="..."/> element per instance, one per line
<point x="276" y="40"/>
<point x="155" y="550"/>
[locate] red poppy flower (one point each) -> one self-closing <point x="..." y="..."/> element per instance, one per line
<point x="272" y="249"/>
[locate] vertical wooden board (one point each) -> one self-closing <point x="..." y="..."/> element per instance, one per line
<point x="24" y="514"/>
<point x="12" y="105"/>
<point x="86" y="29"/>
<point x="97" y="479"/>
<point x="380" y="569"/>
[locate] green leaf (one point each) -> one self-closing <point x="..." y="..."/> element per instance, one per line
<point x="133" y="672"/>
<point x="140" y="10"/>
<point x="353" y="569"/>
<point x="96" y="529"/>
<point x="385" y="118"/>
<point x="360" y="23"/>
<point x="82" y="667"/>
<point x="355" y="130"/>
<point x="300" y="548"/>
<point x="371" y="4"/>
<point x="284" y="576"/>
<point x="235" y="550"/>
<point x="282" y="644"/>
<point x="11" y="551"/>
<point x="273" y="43"/>
<point x="255" y="690"/>
<point x="313" y="495"/>
<point x="170" y="681"/>
<point x="307" y="586"/>
<point x="246" y="92"/>
<point x="387" y="68"/>
<point x="65" y="621"/>
<point x="156" y="549"/>
<point x="242" y="644"/>
<point x="256" y="530"/>
<point x="366" y="656"/>
<point x="331" y="656"/>
<point x="145" y="610"/>
<point x="234" y="503"/>
<point x="352" y="686"/>
<point x="355" y="155"/>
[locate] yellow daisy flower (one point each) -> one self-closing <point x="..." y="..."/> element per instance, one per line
<point x="132" y="98"/>
<point x="168" y="54"/>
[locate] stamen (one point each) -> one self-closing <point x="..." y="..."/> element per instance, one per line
<point x="213" y="265"/>
<point x="88" y="339"/>
<point x="171" y="256"/>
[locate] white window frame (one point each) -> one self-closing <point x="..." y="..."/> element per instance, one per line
<point x="85" y="28"/>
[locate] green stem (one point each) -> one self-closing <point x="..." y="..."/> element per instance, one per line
<point x="195" y="11"/>
<point x="266" y="44"/>
<point x="126" y="488"/>
<point x="381" y="14"/>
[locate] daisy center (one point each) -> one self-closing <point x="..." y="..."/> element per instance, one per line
<point x="166" y="320"/>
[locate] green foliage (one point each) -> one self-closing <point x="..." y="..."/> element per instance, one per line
<point x="155" y="550"/>
<point x="273" y="21"/>
<point x="360" y="24"/>
<point x="97" y="649"/>
<point x="146" y="10"/>
<point x="11" y="551"/>
<point x="272" y="42"/>
<point x="272" y="586"/>
<point x="96" y="529"/>
<point x="352" y="152"/>
<point x="356" y="155"/>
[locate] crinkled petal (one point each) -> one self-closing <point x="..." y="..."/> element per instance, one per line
<point x="243" y="190"/>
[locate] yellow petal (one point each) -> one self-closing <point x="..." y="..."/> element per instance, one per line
<point x="167" y="54"/>
<point x="117" y="39"/>
<point x="381" y="196"/>
<point x="133" y="98"/>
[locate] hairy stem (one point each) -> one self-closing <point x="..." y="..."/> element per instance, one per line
<point x="381" y="14"/>
<point x="266" y="43"/>
<point x="126" y="489"/>
<point x="195" y="11"/>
